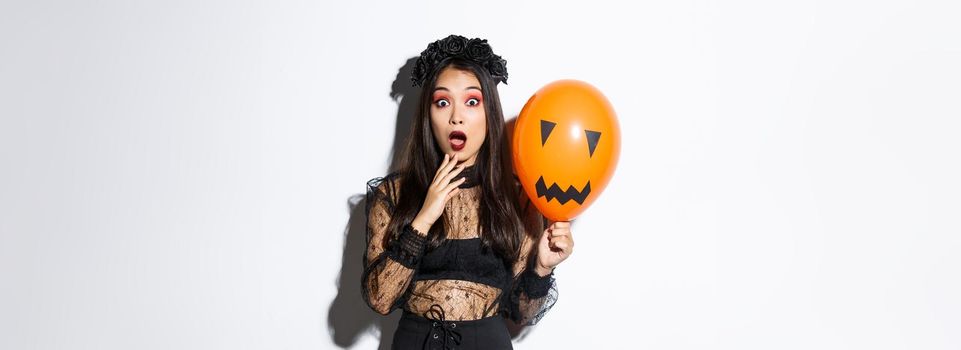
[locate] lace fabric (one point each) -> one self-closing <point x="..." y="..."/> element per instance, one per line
<point x="391" y="280"/>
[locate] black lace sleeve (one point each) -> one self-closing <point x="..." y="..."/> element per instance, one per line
<point x="391" y="258"/>
<point x="531" y="295"/>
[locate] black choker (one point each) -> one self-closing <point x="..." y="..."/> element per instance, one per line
<point x="469" y="173"/>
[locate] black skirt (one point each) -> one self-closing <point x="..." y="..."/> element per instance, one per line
<point x="417" y="332"/>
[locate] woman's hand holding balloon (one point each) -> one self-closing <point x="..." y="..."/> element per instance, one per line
<point x="555" y="246"/>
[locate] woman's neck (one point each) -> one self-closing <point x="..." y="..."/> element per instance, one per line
<point x="470" y="172"/>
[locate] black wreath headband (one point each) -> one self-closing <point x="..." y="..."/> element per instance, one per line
<point x="455" y="46"/>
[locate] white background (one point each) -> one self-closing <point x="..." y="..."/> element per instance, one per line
<point x="184" y="175"/>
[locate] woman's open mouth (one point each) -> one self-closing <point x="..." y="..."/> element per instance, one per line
<point x="457" y="140"/>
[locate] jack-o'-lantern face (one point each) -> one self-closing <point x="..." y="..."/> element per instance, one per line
<point x="566" y="146"/>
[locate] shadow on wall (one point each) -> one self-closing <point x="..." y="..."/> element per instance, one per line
<point x="349" y="316"/>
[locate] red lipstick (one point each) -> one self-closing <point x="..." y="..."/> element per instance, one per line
<point x="458" y="139"/>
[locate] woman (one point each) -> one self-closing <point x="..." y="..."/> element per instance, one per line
<point x="450" y="239"/>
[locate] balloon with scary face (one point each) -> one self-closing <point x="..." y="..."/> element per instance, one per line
<point x="566" y="145"/>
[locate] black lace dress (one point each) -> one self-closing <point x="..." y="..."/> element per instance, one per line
<point x="454" y="296"/>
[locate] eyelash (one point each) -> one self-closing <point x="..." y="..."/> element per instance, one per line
<point x="437" y="103"/>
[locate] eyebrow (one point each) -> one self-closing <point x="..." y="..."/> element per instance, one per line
<point x="465" y="89"/>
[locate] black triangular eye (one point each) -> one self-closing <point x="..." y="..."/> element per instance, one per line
<point x="592" y="138"/>
<point x="546" y="128"/>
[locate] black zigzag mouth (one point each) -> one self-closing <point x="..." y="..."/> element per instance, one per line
<point x="555" y="192"/>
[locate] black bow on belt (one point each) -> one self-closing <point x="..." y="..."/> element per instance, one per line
<point x="443" y="335"/>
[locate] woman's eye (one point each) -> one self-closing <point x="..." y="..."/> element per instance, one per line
<point x="442" y="103"/>
<point x="473" y="102"/>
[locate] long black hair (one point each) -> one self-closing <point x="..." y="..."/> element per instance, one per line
<point x="501" y="227"/>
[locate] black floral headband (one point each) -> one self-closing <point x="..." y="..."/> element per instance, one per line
<point x="455" y="46"/>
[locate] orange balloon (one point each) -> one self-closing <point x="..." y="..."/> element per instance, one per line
<point x="566" y="144"/>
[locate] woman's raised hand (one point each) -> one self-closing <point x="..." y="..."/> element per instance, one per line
<point x="555" y="246"/>
<point x="439" y="192"/>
